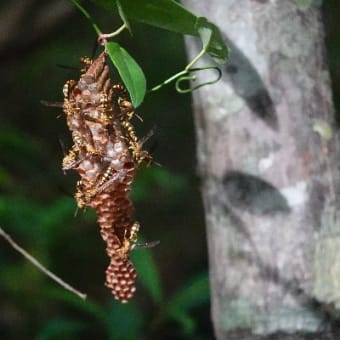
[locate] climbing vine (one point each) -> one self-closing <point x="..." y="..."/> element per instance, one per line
<point x="106" y="152"/>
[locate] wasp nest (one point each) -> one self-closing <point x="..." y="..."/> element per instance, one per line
<point x="106" y="154"/>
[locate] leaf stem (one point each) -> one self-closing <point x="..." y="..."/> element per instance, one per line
<point x="86" y="15"/>
<point x="194" y="61"/>
<point x="37" y="264"/>
<point x="183" y="75"/>
<point x="169" y="80"/>
<point x="104" y="36"/>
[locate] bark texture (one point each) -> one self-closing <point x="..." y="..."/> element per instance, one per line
<point x="268" y="150"/>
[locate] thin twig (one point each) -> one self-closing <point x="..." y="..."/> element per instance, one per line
<point x="37" y="264"/>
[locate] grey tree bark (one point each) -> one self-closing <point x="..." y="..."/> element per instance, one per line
<point x="268" y="149"/>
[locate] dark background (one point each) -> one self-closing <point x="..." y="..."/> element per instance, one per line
<point x="36" y="204"/>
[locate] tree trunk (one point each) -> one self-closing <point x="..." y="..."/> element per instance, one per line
<point x="268" y="149"/>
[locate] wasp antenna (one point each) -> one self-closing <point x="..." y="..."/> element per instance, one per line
<point x="145" y="245"/>
<point x="147" y="136"/>
<point x="157" y="164"/>
<point x="76" y="212"/>
<point x="139" y="117"/>
<point x="52" y="104"/>
<point x="62" y="145"/>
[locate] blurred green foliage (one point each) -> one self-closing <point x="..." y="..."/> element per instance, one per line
<point x="37" y="208"/>
<point x="38" y="211"/>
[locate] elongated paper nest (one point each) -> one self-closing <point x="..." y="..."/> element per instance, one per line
<point x="106" y="154"/>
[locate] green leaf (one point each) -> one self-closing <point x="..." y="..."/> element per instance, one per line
<point x="191" y="295"/>
<point x="170" y="15"/>
<point x="38" y="222"/>
<point x="130" y="72"/>
<point x="157" y="177"/>
<point x="166" y="14"/>
<point x="15" y="142"/>
<point x="60" y="329"/>
<point x="148" y="273"/>
<point x="123" y="16"/>
<point x="212" y="41"/>
<point x="6" y="179"/>
<point x="124" y="321"/>
<point x="87" y="306"/>
<point x="186" y="321"/>
<point x="21" y="214"/>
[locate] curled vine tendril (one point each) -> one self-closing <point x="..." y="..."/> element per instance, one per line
<point x="189" y="77"/>
<point x="186" y="75"/>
